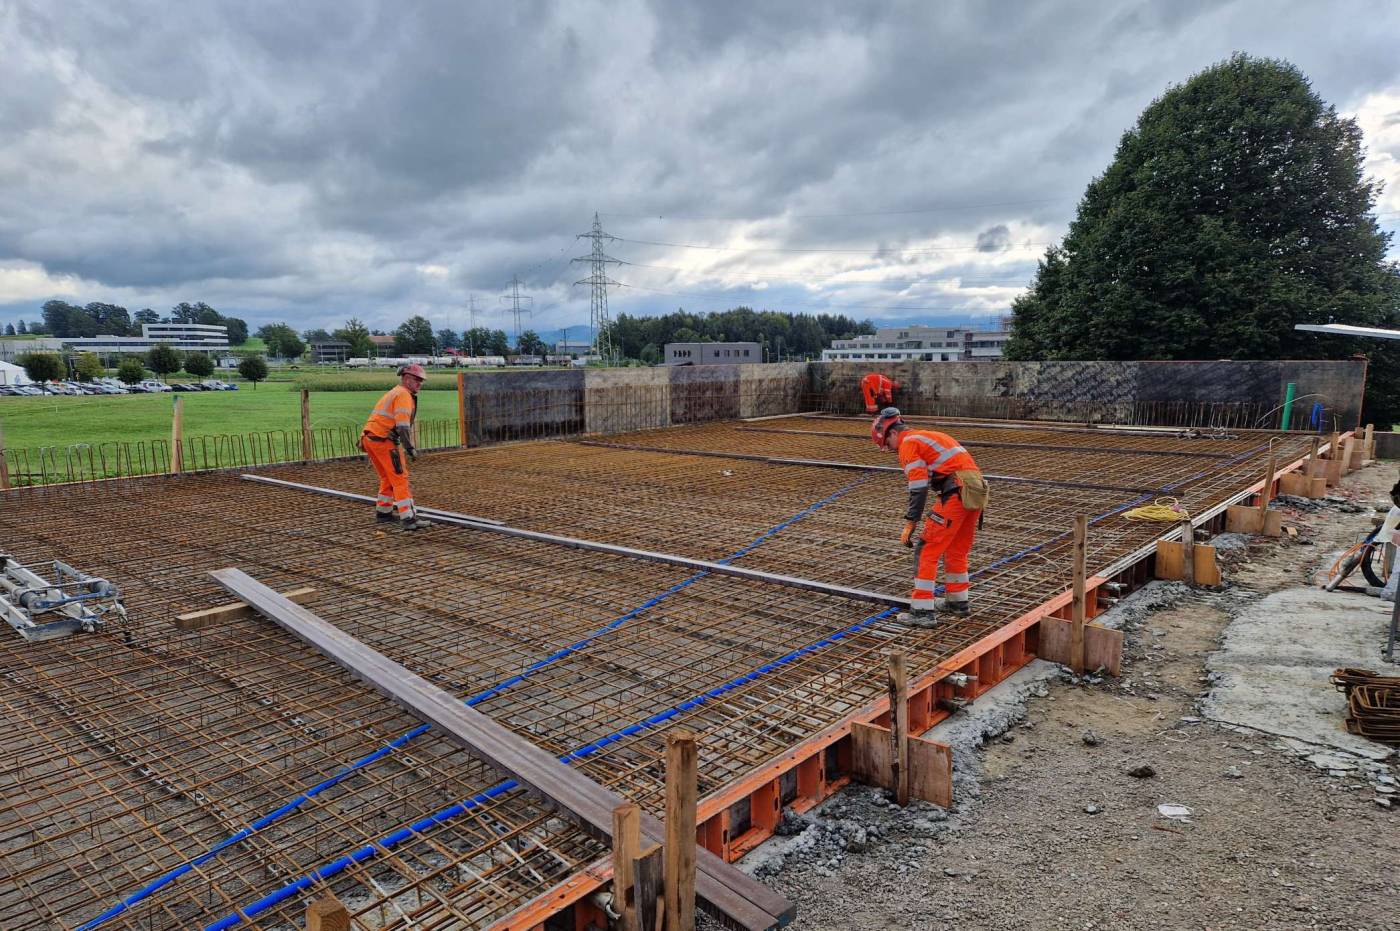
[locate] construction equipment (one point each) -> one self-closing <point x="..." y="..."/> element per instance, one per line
<point x="74" y="602"/>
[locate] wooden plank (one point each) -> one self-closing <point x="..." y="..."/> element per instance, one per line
<point x="739" y="900"/>
<point x="1188" y="552"/>
<point x="1266" y="491"/>
<point x="1171" y="563"/>
<point x="681" y="797"/>
<point x="930" y="763"/>
<point x="626" y="844"/>
<point x="237" y="611"/>
<point x="1314" y="467"/>
<point x="327" y="914"/>
<point x="1168" y="562"/>
<point x="1242" y="519"/>
<point x="1351" y="456"/>
<point x="1102" y="647"/>
<point x="646" y="880"/>
<point x="1076" y="641"/>
<point x="899" y="728"/>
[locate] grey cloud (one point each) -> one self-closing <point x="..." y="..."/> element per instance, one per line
<point x="317" y="155"/>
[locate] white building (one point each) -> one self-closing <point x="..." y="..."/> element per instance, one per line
<point x="921" y="344"/>
<point x="12" y="349"/>
<point x="202" y="337"/>
<point x="11" y="374"/>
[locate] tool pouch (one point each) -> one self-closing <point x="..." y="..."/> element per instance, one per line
<point x="396" y="460"/>
<point x="972" y="488"/>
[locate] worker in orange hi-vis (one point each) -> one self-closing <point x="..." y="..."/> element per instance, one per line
<point x="934" y="461"/>
<point x="878" y="391"/>
<point x="390" y="426"/>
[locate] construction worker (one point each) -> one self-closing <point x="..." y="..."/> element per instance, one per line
<point x="390" y="426"/>
<point x="878" y="391"/>
<point x="934" y="461"/>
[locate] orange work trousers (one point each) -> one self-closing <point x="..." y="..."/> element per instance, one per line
<point x="394" y="494"/>
<point x="949" y="530"/>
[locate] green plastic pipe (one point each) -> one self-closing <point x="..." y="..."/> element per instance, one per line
<point x="1287" y="405"/>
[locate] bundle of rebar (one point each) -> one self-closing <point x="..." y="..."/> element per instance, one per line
<point x="1373" y="704"/>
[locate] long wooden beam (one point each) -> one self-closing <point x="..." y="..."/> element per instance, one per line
<point x="735" y="898"/>
<point x="738" y="572"/>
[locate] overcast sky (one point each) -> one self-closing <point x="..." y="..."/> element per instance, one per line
<point x="314" y="161"/>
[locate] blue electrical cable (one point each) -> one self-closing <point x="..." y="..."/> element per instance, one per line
<point x="277" y="814"/>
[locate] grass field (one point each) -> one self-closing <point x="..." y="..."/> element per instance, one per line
<point x="61" y="421"/>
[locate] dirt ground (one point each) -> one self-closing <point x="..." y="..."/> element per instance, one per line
<point x="1051" y="830"/>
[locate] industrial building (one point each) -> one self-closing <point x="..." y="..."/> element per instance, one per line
<point x="712" y="353"/>
<point x="201" y="337"/>
<point x="711" y="570"/>
<point x="922" y="344"/>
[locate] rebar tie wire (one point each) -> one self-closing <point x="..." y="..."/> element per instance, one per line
<point x="291" y="806"/>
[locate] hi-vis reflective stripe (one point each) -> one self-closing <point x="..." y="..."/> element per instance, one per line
<point x="918" y="483"/>
<point x="405" y="503"/>
<point x="957" y="577"/>
<point x="385" y="499"/>
<point x="916" y="464"/>
<point x="944" y="453"/>
<point x="954" y="597"/>
<point x="924" y="585"/>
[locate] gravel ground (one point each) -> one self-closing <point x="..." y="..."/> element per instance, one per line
<point x="1057" y="823"/>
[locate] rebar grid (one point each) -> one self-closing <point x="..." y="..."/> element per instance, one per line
<point x="124" y="760"/>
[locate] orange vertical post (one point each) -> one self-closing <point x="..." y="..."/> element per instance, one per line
<point x="463" y="437"/>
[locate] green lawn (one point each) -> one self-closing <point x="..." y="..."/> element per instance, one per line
<point x="62" y="421"/>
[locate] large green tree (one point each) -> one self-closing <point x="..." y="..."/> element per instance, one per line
<point x="357" y="335"/>
<point x="163" y="359"/>
<point x="414" y="337"/>
<point x="281" y="340"/>
<point x="254" y="369"/>
<point x="42" y="366"/>
<point x="1234" y="209"/>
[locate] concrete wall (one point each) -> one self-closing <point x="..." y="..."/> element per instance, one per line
<point x="1101" y="391"/>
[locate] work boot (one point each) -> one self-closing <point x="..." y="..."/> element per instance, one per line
<point x="919" y="617"/>
<point x="415" y="523"/>
<point x="385" y="517"/>
<point x="958" y="608"/>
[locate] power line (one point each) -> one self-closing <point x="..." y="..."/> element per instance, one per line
<point x="689" y="271"/>
<point x="947" y="208"/>
<point x="874" y="307"/>
<point x="869" y="251"/>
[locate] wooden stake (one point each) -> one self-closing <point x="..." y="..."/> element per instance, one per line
<point x="679" y="874"/>
<point x="4" y="466"/>
<point x="463" y="437"/>
<point x="177" y="437"/>
<point x="1368" y="445"/>
<point x="1076" y="642"/>
<point x="1188" y="552"/>
<point x="1266" y="494"/>
<point x="306" y="446"/>
<point x="899" y="728"/>
<point x="626" y="844"/>
<point x="327" y="915"/>
<point x="1314" y="469"/>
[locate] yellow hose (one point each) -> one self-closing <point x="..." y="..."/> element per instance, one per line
<point x="1163" y="509"/>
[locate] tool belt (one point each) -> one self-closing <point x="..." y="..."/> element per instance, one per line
<point x="971" y="487"/>
<point x="377" y="439"/>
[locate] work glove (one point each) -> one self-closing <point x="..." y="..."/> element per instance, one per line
<point x="907" y="537"/>
<point x="412" y="452"/>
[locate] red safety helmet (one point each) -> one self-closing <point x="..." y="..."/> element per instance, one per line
<point x="415" y="370"/>
<point x="884" y="422"/>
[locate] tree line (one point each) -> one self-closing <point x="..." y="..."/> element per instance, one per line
<point x="778" y="333"/>
<point x="63" y="320"/>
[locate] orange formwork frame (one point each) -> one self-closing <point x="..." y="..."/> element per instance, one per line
<point x="745" y="813"/>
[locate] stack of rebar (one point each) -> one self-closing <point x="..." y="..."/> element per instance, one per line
<point x="1373" y="704"/>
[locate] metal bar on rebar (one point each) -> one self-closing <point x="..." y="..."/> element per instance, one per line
<point x="981" y="444"/>
<point x="717" y="568"/>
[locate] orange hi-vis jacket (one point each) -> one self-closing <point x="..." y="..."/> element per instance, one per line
<point x="925" y="455"/>
<point x="397" y="408"/>
<point x="877" y="390"/>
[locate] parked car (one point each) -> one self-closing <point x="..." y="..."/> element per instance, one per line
<point x="154" y="386"/>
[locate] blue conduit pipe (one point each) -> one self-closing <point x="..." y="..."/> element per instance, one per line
<point x="291" y="806"/>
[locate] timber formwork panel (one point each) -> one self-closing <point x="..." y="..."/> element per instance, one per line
<point x="129" y="752"/>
